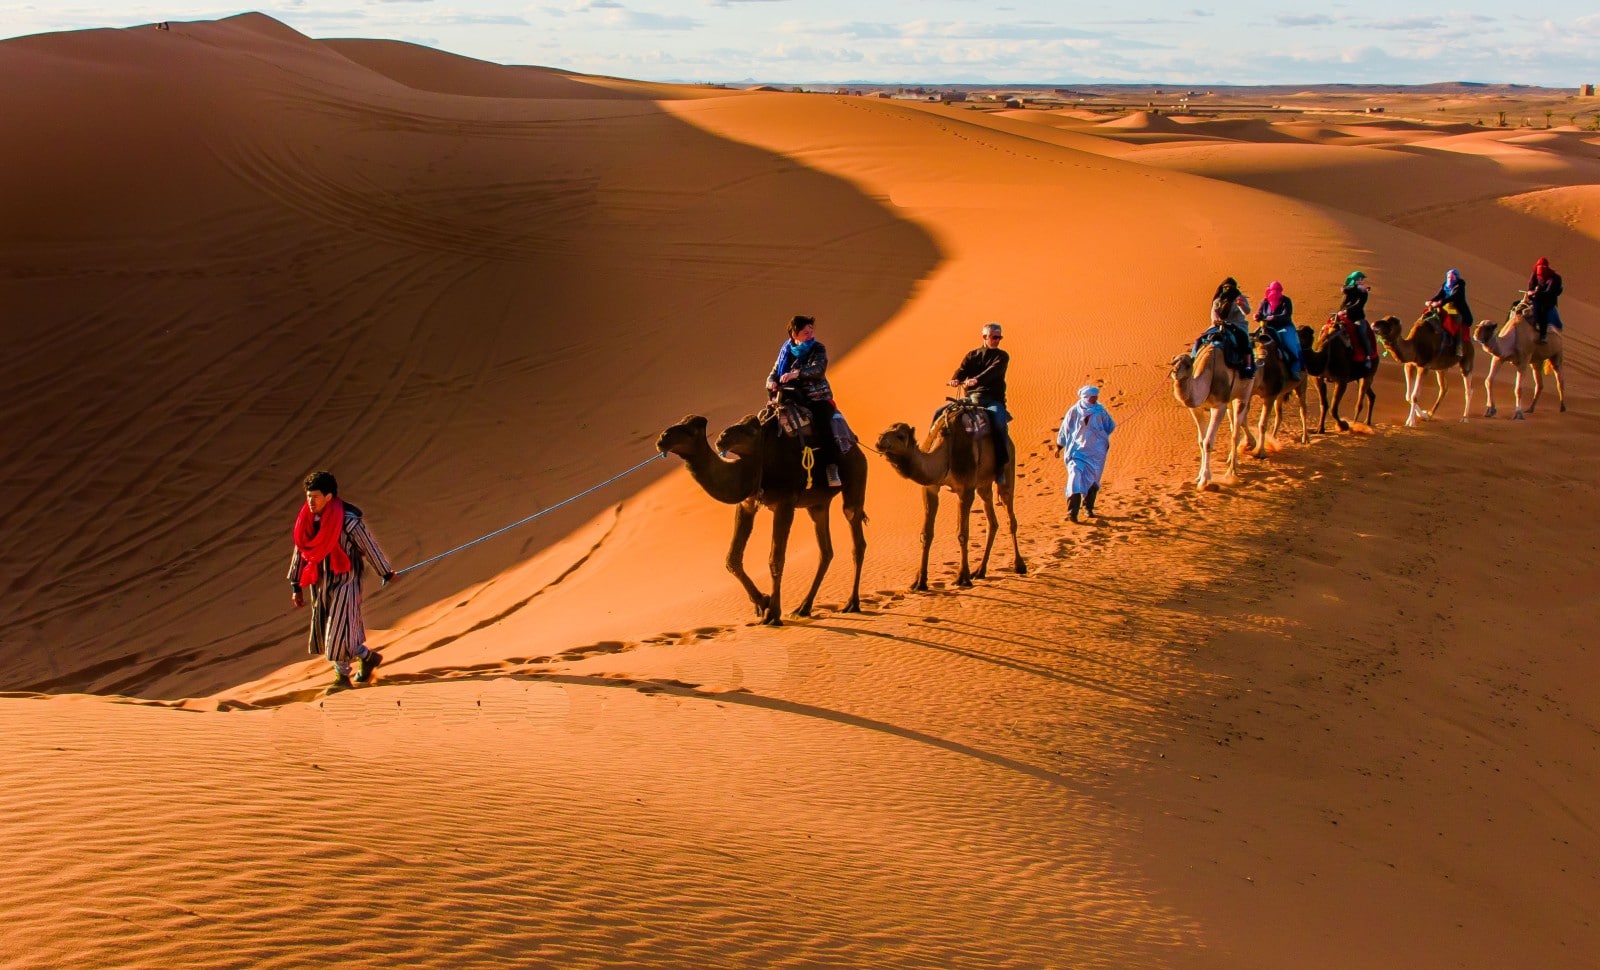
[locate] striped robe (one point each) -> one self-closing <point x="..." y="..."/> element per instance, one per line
<point x="337" y="630"/>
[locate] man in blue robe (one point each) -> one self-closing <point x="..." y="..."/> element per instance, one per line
<point x="1084" y="439"/>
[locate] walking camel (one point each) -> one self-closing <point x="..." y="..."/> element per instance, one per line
<point x="766" y="470"/>
<point x="1332" y="360"/>
<point x="1422" y="351"/>
<point x="1205" y="382"/>
<point x="1516" y="342"/>
<point x="1274" y="387"/>
<point x="956" y="460"/>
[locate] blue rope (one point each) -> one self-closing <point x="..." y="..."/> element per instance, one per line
<point x="525" y="521"/>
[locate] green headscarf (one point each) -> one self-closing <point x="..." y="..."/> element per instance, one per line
<point x="1353" y="277"/>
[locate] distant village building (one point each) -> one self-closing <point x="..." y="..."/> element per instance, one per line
<point x="1586" y="90"/>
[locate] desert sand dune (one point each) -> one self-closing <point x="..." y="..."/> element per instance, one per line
<point x="1331" y="714"/>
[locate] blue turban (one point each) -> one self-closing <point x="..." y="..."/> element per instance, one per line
<point x="1087" y="390"/>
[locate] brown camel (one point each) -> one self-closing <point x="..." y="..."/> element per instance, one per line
<point x="1517" y="343"/>
<point x="1333" y="361"/>
<point x="766" y="470"/>
<point x="1421" y="351"/>
<point x="954" y="460"/>
<point x="1274" y="387"/>
<point x="1206" y="383"/>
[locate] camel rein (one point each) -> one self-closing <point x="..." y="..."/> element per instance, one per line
<point x="525" y="520"/>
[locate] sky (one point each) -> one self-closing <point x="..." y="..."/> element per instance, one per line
<point x="940" y="41"/>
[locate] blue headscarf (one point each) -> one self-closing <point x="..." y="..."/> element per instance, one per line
<point x="1086" y="392"/>
<point x="1451" y="277"/>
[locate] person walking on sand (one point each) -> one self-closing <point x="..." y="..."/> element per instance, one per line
<point x="332" y="548"/>
<point x="982" y="378"/>
<point x="1084" y="439"/>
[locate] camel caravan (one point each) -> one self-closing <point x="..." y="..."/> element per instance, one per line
<point x="1230" y="366"/>
<point x="799" y="452"/>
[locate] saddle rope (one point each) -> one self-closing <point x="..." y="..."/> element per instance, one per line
<point x="808" y="461"/>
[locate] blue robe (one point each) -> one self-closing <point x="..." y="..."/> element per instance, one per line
<point x="1084" y="439"/>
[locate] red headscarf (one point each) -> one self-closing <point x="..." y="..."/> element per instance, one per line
<point x="1273" y="295"/>
<point x="323" y="543"/>
<point x="1541" y="269"/>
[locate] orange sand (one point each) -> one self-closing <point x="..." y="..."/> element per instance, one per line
<point x="1332" y="715"/>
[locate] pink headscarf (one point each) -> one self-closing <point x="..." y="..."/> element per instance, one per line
<point x="1273" y="295"/>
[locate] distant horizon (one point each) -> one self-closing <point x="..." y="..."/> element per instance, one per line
<point x="940" y="42"/>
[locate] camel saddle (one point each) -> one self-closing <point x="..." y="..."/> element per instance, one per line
<point x="795" y="422"/>
<point x="972" y="417"/>
<point x="1235" y="345"/>
<point x="1339" y="327"/>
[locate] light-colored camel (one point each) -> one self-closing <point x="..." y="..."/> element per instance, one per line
<point x="954" y="460"/>
<point x="1205" y="382"/>
<point x="1516" y="342"/>
<point x="1273" y="387"/>
<point x="1421" y="351"/>
<point x="768" y="472"/>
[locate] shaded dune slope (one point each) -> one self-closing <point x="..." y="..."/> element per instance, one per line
<point x="305" y="263"/>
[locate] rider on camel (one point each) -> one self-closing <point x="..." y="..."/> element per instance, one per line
<point x="800" y="377"/>
<point x="1276" y="314"/>
<point x="1544" y="288"/>
<point x="1230" y="323"/>
<point x="1455" y="316"/>
<point x="982" y="378"/>
<point x="1354" y="313"/>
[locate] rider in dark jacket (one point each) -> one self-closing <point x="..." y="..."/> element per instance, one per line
<point x="1454" y="314"/>
<point x="1544" y="288"/>
<point x="1354" y="309"/>
<point x="1276" y="314"/>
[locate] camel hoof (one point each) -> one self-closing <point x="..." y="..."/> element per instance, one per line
<point x="1022" y="568"/>
<point x="981" y="574"/>
<point x="1517" y="417"/>
<point x="965" y="582"/>
<point x="1563" y="407"/>
<point x="854" y="606"/>
<point x="770" y="620"/>
<point x="1490" y="412"/>
<point x="803" y="613"/>
<point x="1345" y="425"/>
<point x="1530" y="409"/>
<point x="1463" y="419"/>
<point x="919" y="586"/>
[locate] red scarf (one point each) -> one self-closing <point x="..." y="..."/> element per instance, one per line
<point x="324" y="544"/>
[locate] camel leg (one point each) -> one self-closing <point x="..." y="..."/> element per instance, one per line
<point x="1516" y="395"/>
<point x="819" y="520"/>
<point x="930" y="511"/>
<point x="1489" y="410"/>
<point x="1338" y="395"/>
<point x="986" y="493"/>
<point x="1235" y="428"/>
<point x="1205" y="452"/>
<point x="744" y="520"/>
<point x="1466" y="391"/>
<point x="1208" y="436"/>
<point x="1305" y="432"/>
<point x="1260" y="450"/>
<point x="1411" y="400"/>
<point x="1438" y="380"/>
<point x="1367" y="396"/>
<point x="1008" y="495"/>
<point x="964" y="532"/>
<point x="1561" y="392"/>
<point x="782" y="519"/>
<point x="1538" y="385"/>
<point x="1322" y="395"/>
<point x="857" y="517"/>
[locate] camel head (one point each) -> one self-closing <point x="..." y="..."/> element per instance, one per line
<point x="1483" y="331"/>
<point x="742" y="439"/>
<point x="1182" y="365"/>
<point x="1389" y="327"/>
<point x="900" y="439"/>
<point x="683" y="438"/>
